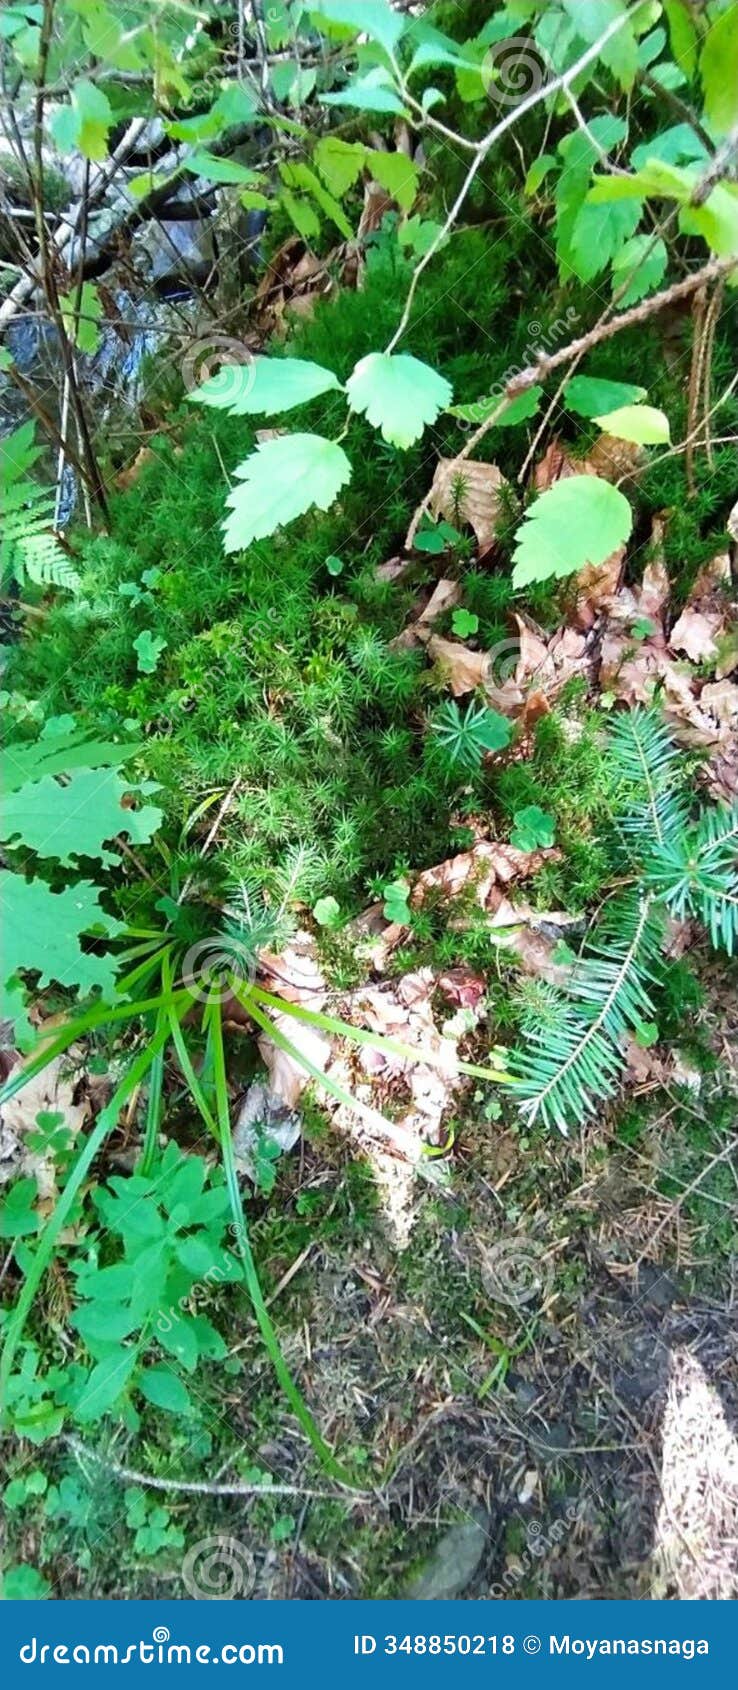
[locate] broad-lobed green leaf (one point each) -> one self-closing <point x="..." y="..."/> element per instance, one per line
<point x="75" y="820"/>
<point x="398" y="395"/>
<point x="578" y="521"/>
<point x="340" y="162"/>
<point x="41" y="932"/>
<point x="281" y="480"/>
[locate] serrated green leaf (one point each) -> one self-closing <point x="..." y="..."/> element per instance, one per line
<point x="84" y="123"/>
<point x="300" y="177"/>
<point x="648" y="259"/>
<point x="538" y="172"/>
<point x="281" y="480"/>
<point x="105" y="1384"/>
<point x="719" y="70"/>
<point x="181" y="1341"/>
<point x="591" y="18"/>
<point x="515" y="410"/>
<point x="375" y="18"/>
<point x="340" y="162"/>
<point x="431" y="53"/>
<point x="302" y="214"/>
<point x="74" y="820"/>
<point x="398" y="174"/>
<point x="682" y="35"/>
<point x="716" y="221"/>
<point x="591" y="396"/>
<point x="643" y="424"/>
<point x="578" y="521"/>
<point x="597" y="235"/>
<point x="398" y="395"/>
<point x="656" y="176"/>
<point x="366" y="93"/>
<point x="270" y="385"/>
<point x="163" y="1388"/>
<point x="579" y="154"/>
<point x="103" y="1322"/>
<point x="221" y="170"/>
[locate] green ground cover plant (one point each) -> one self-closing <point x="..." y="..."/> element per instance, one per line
<point x="228" y="722"/>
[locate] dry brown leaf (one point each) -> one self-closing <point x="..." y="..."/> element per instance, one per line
<point x="468" y="492"/>
<point x="443" y="597"/>
<point x="557" y="464"/>
<point x="465" y="669"/>
<point x="652" y="597"/>
<point x="695" y="633"/>
<point x="612" y="459"/>
<point x="295" y="973"/>
<point x="462" y="987"/>
<point x="377" y="203"/>
<point x="534" y="662"/>
<point x="713" y="583"/>
<point x="692" y="724"/>
<point x="50" y="1092"/>
<point x="596" y="586"/>
<point x="392" y="569"/>
<point x="644" y="1067"/>
<point x="128" y="477"/>
<point x="287" y="1077"/>
<point x="488" y="864"/>
<point x="721" y="699"/>
<point x="517" y="928"/>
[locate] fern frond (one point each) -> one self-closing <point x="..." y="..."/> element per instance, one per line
<point x="695" y="874"/>
<point x="27" y="546"/>
<point x="645" y="763"/>
<point x="567" y="1068"/>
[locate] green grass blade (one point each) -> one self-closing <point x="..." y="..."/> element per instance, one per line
<point x="102" y="1015"/>
<point x="359" y="1036"/>
<point x="183" y="1055"/>
<point x="154" y="1105"/>
<point x="253" y="1286"/>
<point x="397" y="1135"/>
